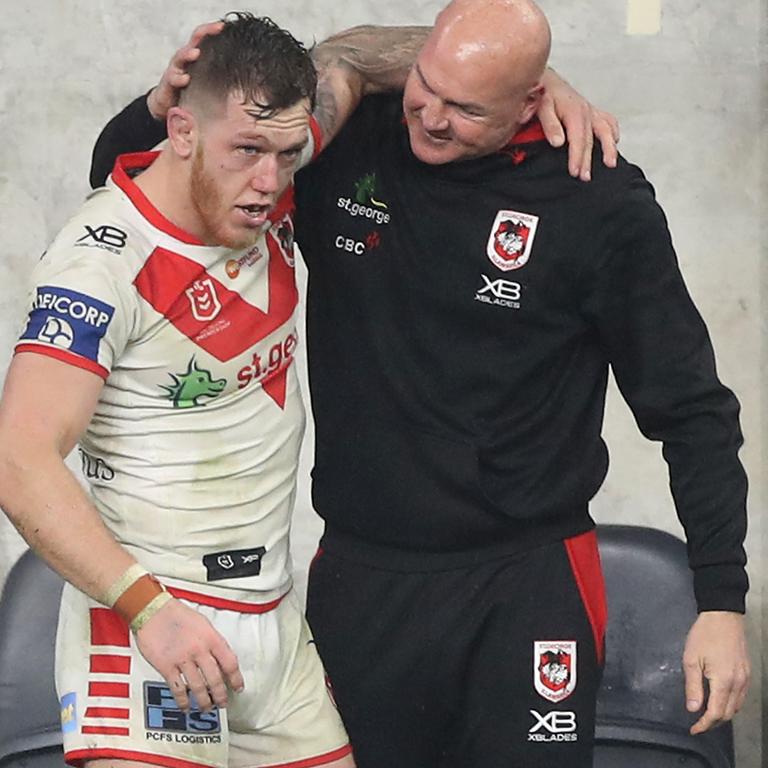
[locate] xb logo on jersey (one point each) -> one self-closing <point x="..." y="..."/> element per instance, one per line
<point x="105" y="236"/>
<point x="553" y="726"/>
<point x="503" y="293"/>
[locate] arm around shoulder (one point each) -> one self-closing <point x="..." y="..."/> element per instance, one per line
<point x="357" y="62"/>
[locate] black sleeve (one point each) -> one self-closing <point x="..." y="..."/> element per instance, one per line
<point x="663" y="361"/>
<point x="132" y="130"/>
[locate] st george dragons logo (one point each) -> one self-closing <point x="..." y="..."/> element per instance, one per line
<point x="554" y="668"/>
<point x="509" y="245"/>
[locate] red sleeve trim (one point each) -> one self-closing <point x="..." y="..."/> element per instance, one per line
<point x="66" y="357"/>
<point x="317" y="137"/>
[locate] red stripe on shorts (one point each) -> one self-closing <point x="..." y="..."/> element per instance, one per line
<point x="107" y="628"/>
<point x="109" y="663"/>
<point x="310" y="762"/>
<point x="585" y="563"/>
<point x="80" y="756"/>
<point x="105" y="730"/>
<point x="111" y="690"/>
<point x="116" y="713"/>
<point x="223" y="604"/>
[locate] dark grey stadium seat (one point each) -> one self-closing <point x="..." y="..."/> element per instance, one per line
<point x="641" y="717"/>
<point x="30" y="733"/>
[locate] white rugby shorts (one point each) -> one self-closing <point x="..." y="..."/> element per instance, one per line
<point x="114" y="704"/>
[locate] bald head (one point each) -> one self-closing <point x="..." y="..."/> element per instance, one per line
<point x="477" y="79"/>
<point x="504" y="39"/>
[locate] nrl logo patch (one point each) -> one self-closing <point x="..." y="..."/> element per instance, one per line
<point x="511" y="240"/>
<point x="203" y="300"/>
<point x="554" y="668"/>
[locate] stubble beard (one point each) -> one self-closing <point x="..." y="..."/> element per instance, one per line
<point x="208" y="205"/>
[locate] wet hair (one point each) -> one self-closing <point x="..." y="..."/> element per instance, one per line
<point x="256" y="58"/>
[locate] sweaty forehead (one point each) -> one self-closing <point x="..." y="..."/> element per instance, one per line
<point x="253" y="113"/>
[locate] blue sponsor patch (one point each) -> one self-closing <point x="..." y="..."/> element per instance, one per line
<point x="69" y="713"/>
<point x="162" y="713"/>
<point x="68" y="320"/>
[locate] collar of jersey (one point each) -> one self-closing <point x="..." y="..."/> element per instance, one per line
<point x="121" y="175"/>
<point x="527" y="134"/>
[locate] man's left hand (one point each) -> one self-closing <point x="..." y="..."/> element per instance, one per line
<point x="566" y="113"/>
<point x="716" y="650"/>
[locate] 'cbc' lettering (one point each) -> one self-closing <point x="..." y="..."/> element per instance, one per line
<point x="83" y="320"/>
<point x="349" y="245"/>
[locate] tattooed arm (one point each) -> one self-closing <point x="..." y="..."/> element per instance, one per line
<point x="357" y="62"/>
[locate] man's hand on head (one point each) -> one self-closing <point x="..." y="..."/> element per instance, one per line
<point x="166" y="93"/>
<point x="716" y="651"/>
<point x="565" y="114"/>
<point x="183" y="646"/>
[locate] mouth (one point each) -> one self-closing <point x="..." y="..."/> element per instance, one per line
<point x="255" y="214"/>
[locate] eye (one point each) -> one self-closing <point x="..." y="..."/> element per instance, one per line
<point x="290" y="154"/>
<point x="249" y="149"/>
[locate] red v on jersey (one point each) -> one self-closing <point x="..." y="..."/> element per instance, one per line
<point x="215" y="318"/>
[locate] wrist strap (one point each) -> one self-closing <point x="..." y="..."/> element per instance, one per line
<point x="149" y="610"/>
<point x="136" y="596"/>
<point x="133" y="574"/>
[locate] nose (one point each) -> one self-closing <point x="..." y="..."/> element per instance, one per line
<point x="265" y="177"/>
<point x="433" y="116"/>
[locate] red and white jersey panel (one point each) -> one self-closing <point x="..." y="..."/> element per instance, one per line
<point x="191" y="453"/>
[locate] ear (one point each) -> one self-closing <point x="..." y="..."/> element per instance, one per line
<point x="183" y="131"/>
<point x="531" y="103"/>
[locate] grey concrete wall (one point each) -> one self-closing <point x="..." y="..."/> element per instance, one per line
<point x="690" y="97"/>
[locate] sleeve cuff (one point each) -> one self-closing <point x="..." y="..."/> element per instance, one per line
<point x="142" y="123"/>
<point x="720" y="588"/>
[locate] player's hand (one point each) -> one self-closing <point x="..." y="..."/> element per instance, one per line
<point x="191" y="655"/>
<point x="716" y="650"/>
<point x="166" y="93"/>
<point x="564" y="113"/>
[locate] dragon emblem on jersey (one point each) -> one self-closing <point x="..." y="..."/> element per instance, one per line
<point x="509" y="245"/>
<point x="554" y="669"/>
<point x="193" y="384"/>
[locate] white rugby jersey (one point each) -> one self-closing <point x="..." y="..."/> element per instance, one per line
<point x="192" y="451"/>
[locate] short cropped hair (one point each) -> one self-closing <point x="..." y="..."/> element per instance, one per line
<point x="255" y="57"/>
